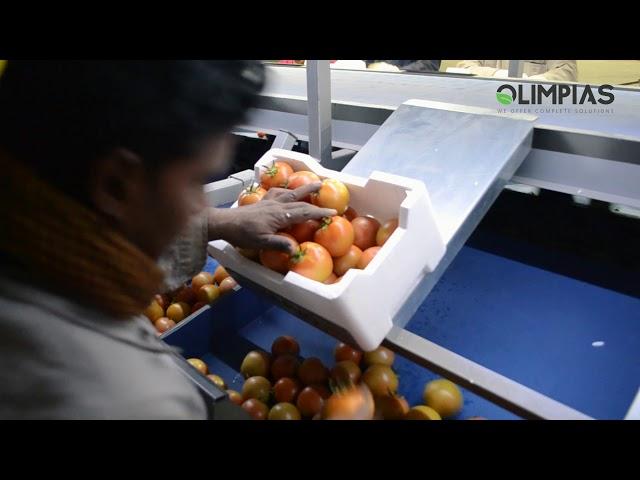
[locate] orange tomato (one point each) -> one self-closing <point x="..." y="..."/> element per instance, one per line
<point x="336" y="235"/>
<point x="347" y="261"/>
<point x="276" y="175"/>
<point x="367" y="256"/>
<point x="275" y="259"/>
<point x="301" y="178"/>
<point x="332" y="194"/>
<point x="312" y="261"/>
<point x="251" y="195"/>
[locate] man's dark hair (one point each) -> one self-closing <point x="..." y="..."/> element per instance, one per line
<point x="59" y="116"/>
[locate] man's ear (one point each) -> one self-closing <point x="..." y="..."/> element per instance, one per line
<point x="116" y="180"/>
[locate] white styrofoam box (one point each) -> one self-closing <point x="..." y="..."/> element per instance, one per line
<point x="365" y="301"/>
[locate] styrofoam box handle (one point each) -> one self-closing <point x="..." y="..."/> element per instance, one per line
<point x="365" y="301"/>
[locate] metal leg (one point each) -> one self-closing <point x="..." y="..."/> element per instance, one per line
<point x="319" y="109"/>
<point x="516" y="67"/>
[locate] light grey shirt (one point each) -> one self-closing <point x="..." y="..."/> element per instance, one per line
<point x="62" y="360"/>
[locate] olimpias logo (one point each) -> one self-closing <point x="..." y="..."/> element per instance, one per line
<point x="532" y="94"/>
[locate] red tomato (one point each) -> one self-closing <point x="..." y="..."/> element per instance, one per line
<point x="285" y="345"/>
<point x="286" y="390"/>
<point x="312" y="371"/>
<point x="276" y="175"/>
<point x="344" y="352"/>
<point x="251" y="195"/>
<point x="385" y="231"/>
<point x="367" y="256"/>
<point x="365" y="230"/>
<point x="312" y="261"/>
<point x="345" y="373"/>
<point x="163" y="300"/>
<point x="284" y="366"/>
<point x="347" y="261"/>
<point x="336" y="235"/>
<point x="275" y="259"/>
<point x="185" y="294"/>
<point x="333" y="194"/>
<point x="257" y="409"/>
<point x="350" y="214"/>
<point x="309" y="402"/>
<point x="197" y="306"/>
<point x="304" y="232"/>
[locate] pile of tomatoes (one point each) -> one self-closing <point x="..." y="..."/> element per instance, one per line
<point x="325" y="249"/>
<point x="280" y="385"/>
<point x="168" y="309"/>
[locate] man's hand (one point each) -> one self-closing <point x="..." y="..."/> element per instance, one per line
<point x="254" y="226"/>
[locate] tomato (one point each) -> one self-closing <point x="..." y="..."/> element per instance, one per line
<point x="344" y="352"/>
<point x="350" y="214"/>
<point x="331" y="279"/>
<point x="443" y="396"/>
<point x="220" y="274"/>
<point x="332" y="194"/>
<point x="256" y="387"/>
<point x="255" y="364"/>
<point x="385" y="231"/>
<point x="345" y="373"/>
<point x="312" y="261"/>
<point x="393" y="407"/>
<point x="185" y="294"/>
<point x="285" y="345"/>
<point x="218" y="381"/>
<point x="336" y="235"/>
<point x="208" y="294"/>
<point x="321" y="389"/>
<point x="235" y="397"/>
<point x="227" y="285"/>
<point x="347" y="261"/>
<point x="301" y="178"/>
<point x="277" y="260"/>
<point x="249" y="253"/>
<point x="257" y="409"/>
<point x="276" y="175"/>
<point x="251" y="195"/>
<point x="353" y="403"/>
<point x="476" y="418"/>
<point x="163" y="324"/>
<point x="380" y="356"/>
<point x="367" y="256"/>
<point x="312" y="371"/>
<point x="199" y="365"/>
<point x="422" y="412"/>
<point x="154" y="311"/>
<point x="197" y="306"/>
<point x="178" y="311"/>
<point x="365" y="230"/>
<point x="310" y="402"/>
<point x="163" y="300"/>
<point x="203" y="278"/>
<point x="381" y="380"/>
<point x="284" y="366"/>
<point x="304" y="232"/>
<point x="284" y="411"/>
<point x="286" y="390"/>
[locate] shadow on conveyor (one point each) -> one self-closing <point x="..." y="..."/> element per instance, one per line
<point x="549" y="231"/>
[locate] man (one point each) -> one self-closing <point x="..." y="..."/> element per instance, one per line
<point x="554" y="70"/>
<point x="414" y="66"/>
<point x="102" y="170"/>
